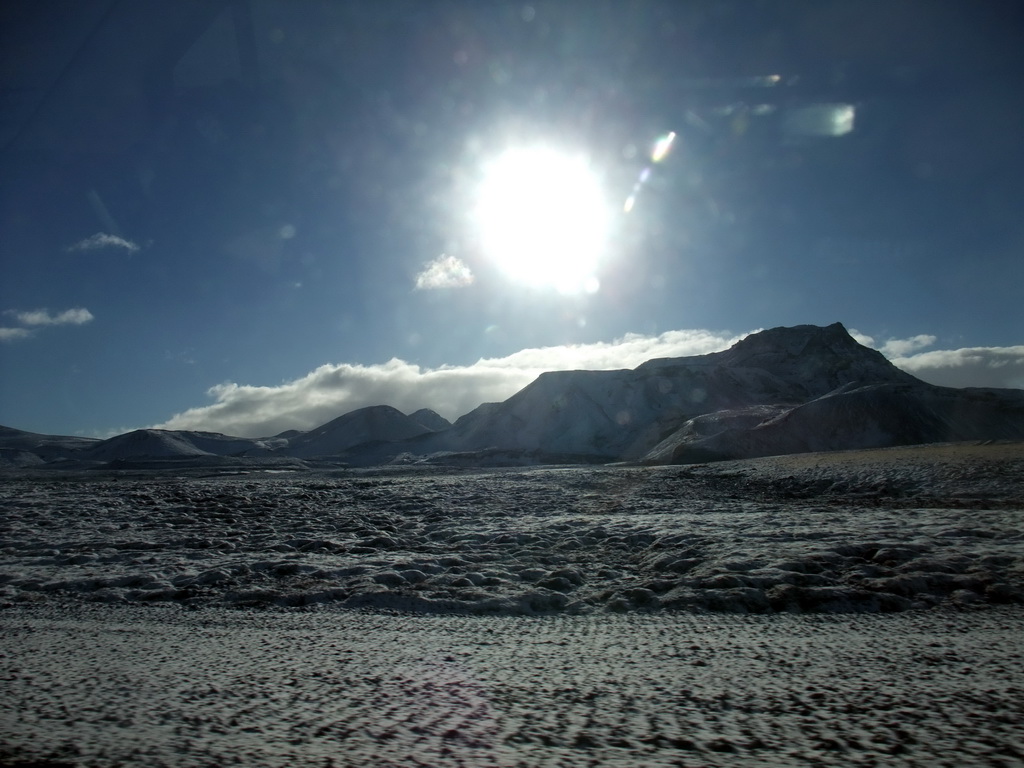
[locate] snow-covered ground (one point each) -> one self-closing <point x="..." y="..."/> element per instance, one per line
<point x="859" y="531"/>
<point x="860" y="608"/>
<point x="160" y="687"/>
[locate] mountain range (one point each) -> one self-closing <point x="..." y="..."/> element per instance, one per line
<point x="784" y="390"/>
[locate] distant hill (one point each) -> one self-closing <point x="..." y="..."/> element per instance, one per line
<point x="366" y="425"/>
<point x="20" y="448"/>
<point x="160" y="443"/>
<point x="873" y="416"/>
<point x="785" y="390"/>
<point x="431" y="420"/>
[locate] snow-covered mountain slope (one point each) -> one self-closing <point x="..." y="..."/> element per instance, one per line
<point x="20" y="448"/>
<point x="366" y="425"/>
<point x="148" y="443"/>
<point x="160" y="443"/>
<point x="872" y="416"/>
<point x="562" y="411"/>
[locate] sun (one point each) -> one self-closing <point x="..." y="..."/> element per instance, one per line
<point x="542" y="218"/>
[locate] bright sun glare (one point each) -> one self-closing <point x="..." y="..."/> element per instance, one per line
<point x="543" y="219"/>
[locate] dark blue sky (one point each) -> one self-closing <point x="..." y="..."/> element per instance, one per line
<point x="263" y="183"/>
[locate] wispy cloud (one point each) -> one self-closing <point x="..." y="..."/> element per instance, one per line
<point x="75" y="316"/>
<point x="331" y="390"/>
<point x="42" y="317"/>
<point x="14" y="334"/>
<point x="444" y="272"/>
<point x="102" y="240"/>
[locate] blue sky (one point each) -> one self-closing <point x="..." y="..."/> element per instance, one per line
<point x="279" y="219"/>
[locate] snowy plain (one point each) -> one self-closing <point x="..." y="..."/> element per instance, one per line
<point x="858" y="608"/>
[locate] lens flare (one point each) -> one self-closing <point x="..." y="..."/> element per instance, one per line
<point x="663" y="146"/>
<point x="661" y="150"/>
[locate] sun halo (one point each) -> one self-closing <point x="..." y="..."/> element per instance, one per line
<point x="542" y="218"/>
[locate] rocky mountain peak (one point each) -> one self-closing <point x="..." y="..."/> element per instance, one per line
<point x="820" y="357"/>
<point x="798" y="339"/>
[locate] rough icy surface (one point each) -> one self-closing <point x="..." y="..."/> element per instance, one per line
<point x="851" y="532"/>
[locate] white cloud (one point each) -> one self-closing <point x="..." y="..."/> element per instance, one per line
<point x="968" y="367"/>
<point x="102" y="240"/>
<point x="895" y="347"/>
<point x="38" y="317"/>
<point x="13" y="334"/>
<point x="1001" y="367"/>
<point x="902" y="347"/>
<point x="75" y="316"/>
<point x="862" y="338"/>
<point x="331" y="390"/>
<point x="444" y="272"/>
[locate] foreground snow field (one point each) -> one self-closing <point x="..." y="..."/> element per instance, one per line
<point x="860" y="608"/>
<point x="130" y="686"/>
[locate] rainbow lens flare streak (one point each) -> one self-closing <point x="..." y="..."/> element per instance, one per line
<point x="662" y="148"/>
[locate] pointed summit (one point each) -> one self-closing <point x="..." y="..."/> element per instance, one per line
<point x="797" y="339"/>
<point x="432" y="420"/>
<point x="816" y="359"/>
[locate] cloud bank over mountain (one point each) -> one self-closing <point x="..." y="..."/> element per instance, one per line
<point x="334" y="389"/>
<point x="1001" y="367"/>
<point x="968" y="367"/>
